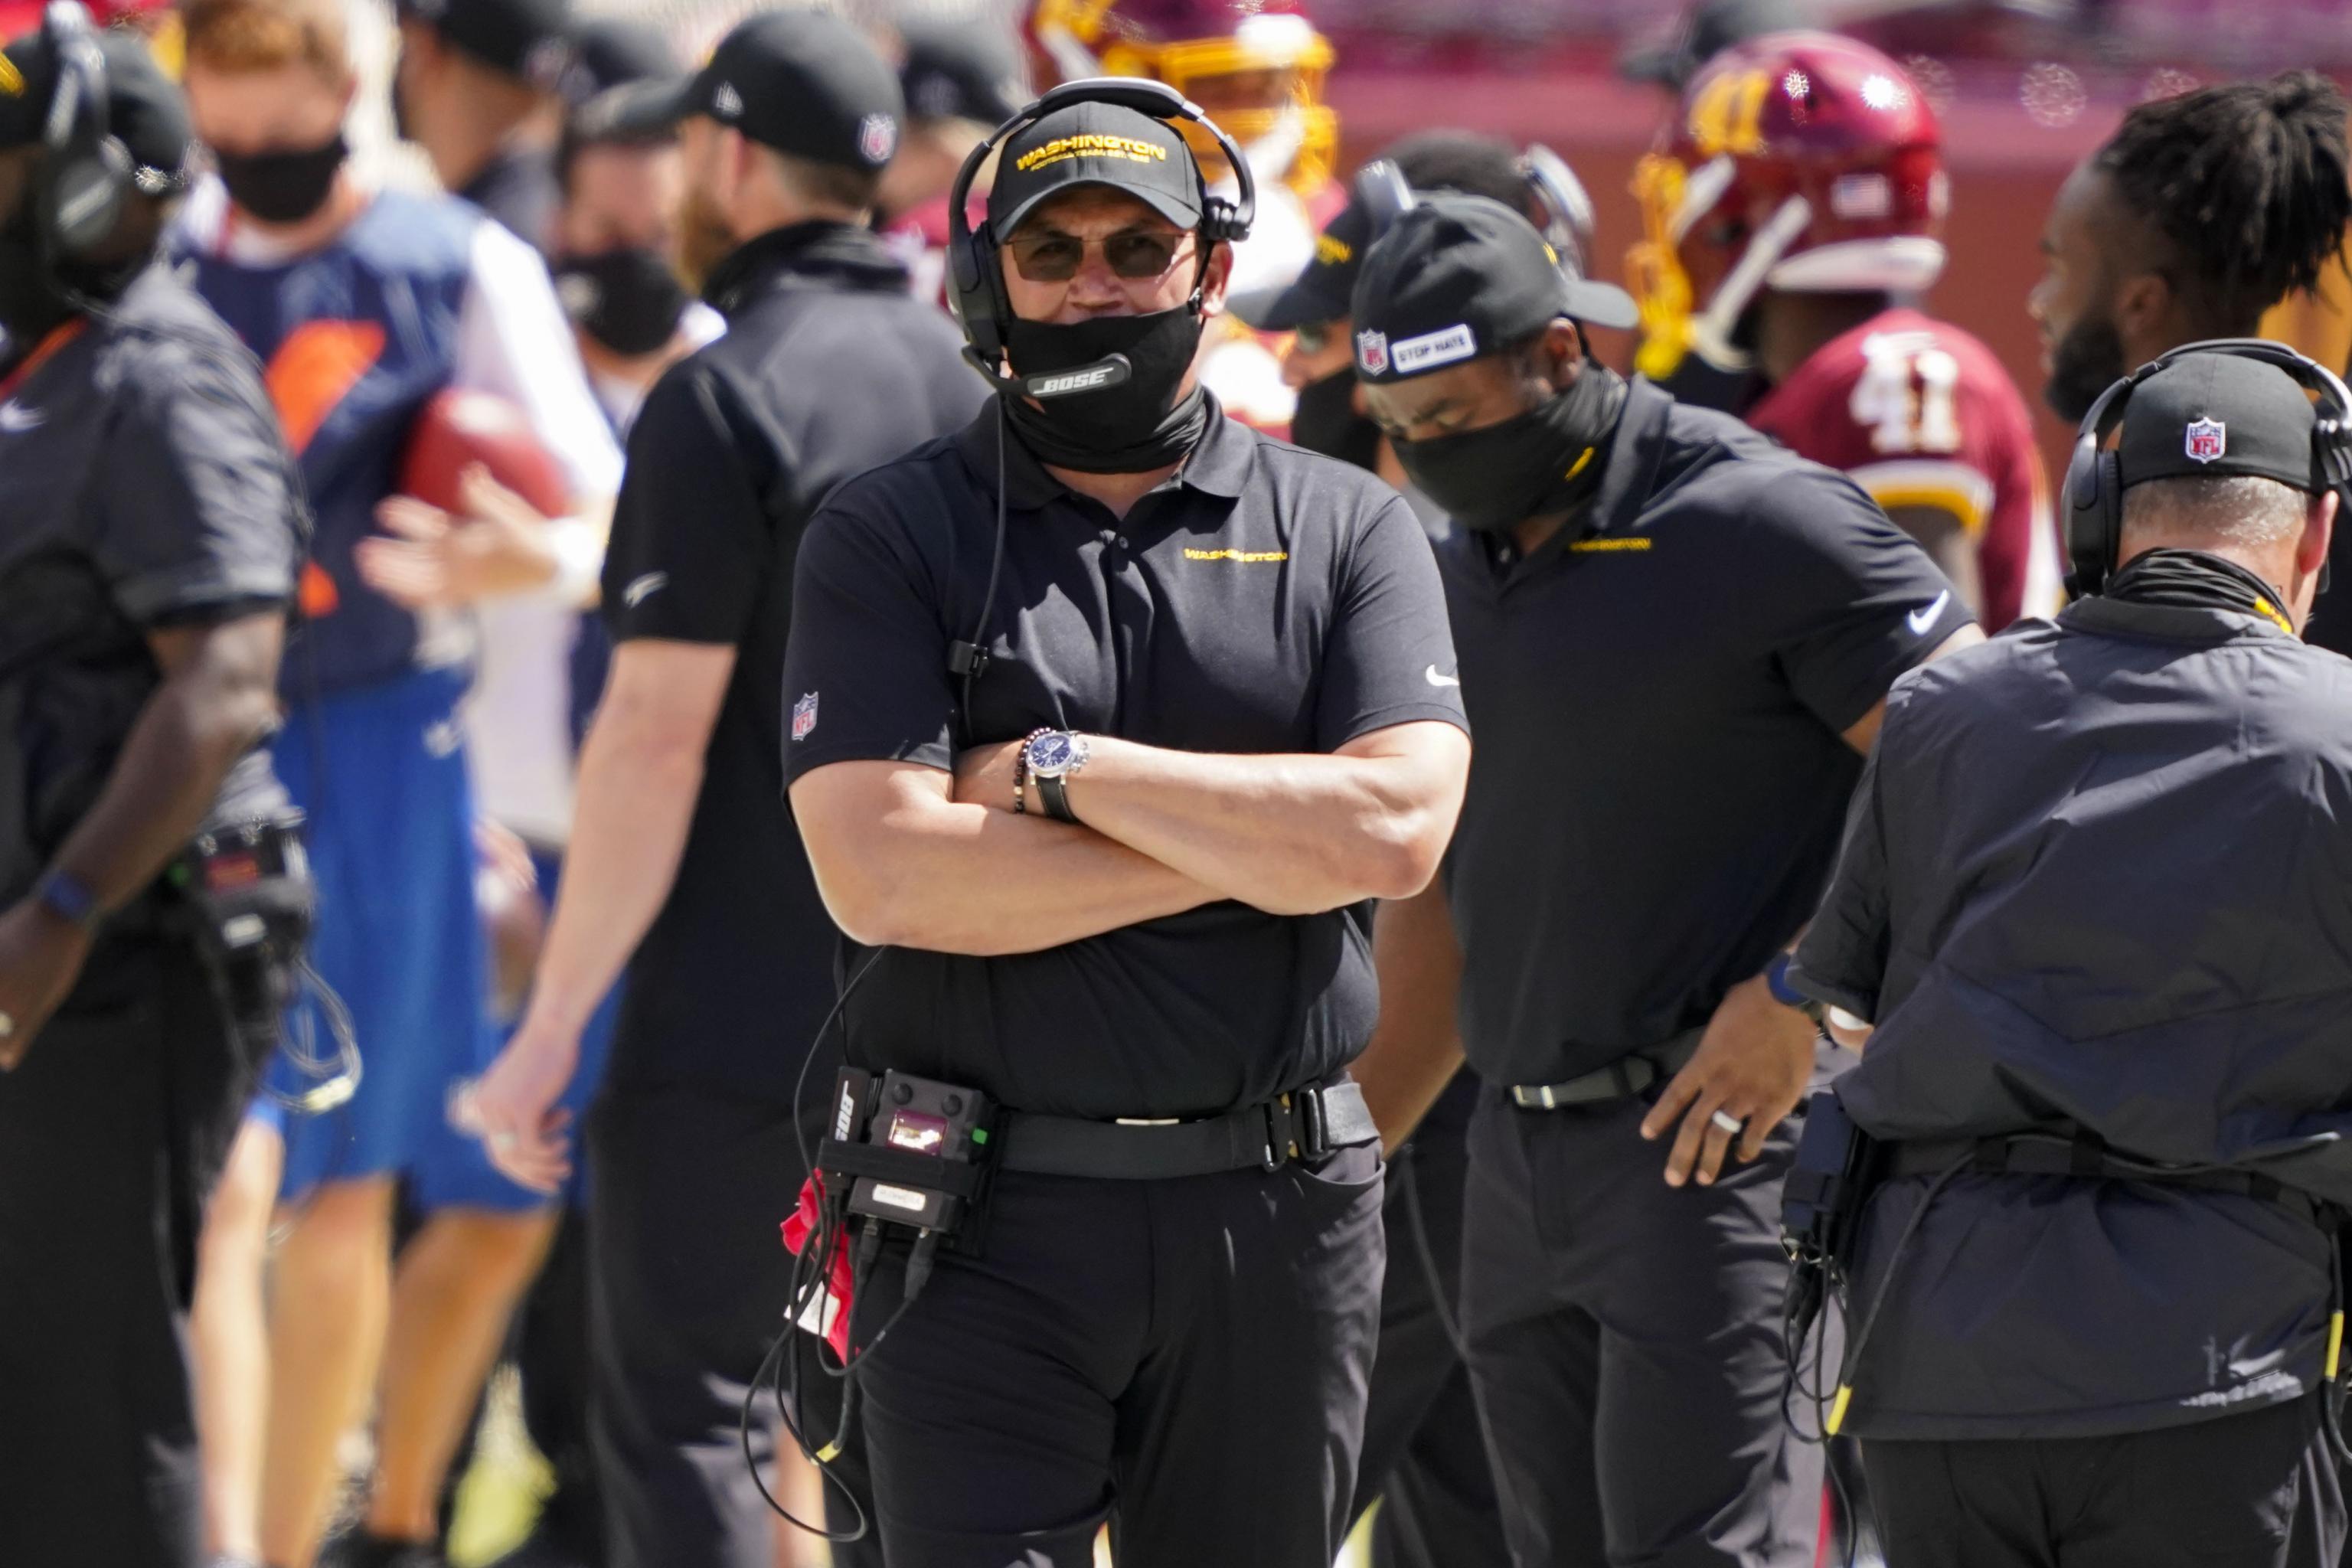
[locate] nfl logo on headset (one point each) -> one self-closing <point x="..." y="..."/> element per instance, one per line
<point x="804" y="717"/>
<point x="1372" y="351"/>
<point x="2208" y="440"/>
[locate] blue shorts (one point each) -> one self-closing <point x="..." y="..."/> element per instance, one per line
<point x="382" y="772"/>
<point x="464" y="1177"/>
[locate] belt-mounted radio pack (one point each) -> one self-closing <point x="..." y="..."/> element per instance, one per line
<point x="248" y="899"/>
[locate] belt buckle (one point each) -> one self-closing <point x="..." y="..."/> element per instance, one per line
<point x="1310" y="1127"/>
<point x="1281" y="1129"/>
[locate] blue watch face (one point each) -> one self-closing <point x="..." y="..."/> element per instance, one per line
<point x="1049" y="753"/>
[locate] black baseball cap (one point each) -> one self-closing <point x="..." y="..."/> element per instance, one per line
<point x="805" y="83"/>
<point x="1325" y="290"/>
<point x="144" y="109"/>
<point x="960" y="70"/>
<point x="1096" y="144"/>
<point x="1458" y="278"/>
<point x="2217" y="415"/>
<point x="530" y="41"/>
<point x="623" y="78"/>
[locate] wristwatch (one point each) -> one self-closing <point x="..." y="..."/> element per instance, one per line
<point x="1776" y="980"/>
<point x="1051" y="757"/>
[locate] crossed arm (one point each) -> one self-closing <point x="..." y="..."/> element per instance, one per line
<point x="912" y="856"/>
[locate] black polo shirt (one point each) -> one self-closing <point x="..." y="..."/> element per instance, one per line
<point x="1659" y="695"/>
<point x="2096" y="873"/>
<point x="144" y="484"/>
<point x="828" y="367"/>
<point x="1263" y="600"/>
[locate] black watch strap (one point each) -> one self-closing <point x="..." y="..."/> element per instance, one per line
<point x="1053" y="797"/>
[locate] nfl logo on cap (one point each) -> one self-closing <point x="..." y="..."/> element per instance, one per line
<point x="803" y="716"/>
<point x="1372" y="351"/>
<point x="2207" y="439"/>
<point x="878" y="138"/>
<point x="726" y="103"/>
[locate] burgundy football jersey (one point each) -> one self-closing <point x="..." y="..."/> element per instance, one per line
<point x="1920" y="413"/>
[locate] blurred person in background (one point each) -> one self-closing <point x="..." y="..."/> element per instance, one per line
<point x="961" y="80"/>
<point x="479" y="86"/>
<point x="1256" y="68"/>
<point x="2201" y="214"/>
<point x="365" y="304"/>
<point x="154" y="533"/>
<point x="1805" y="196"/>
<point x="684" y="864"/>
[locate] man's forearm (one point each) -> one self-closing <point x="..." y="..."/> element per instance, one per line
<point x="950" y="877"/>
<point x="630" y="817"/>
<point x="1286" y="833"/>
<point x="211" y="710"/>
<point x="1416" y="1048"/>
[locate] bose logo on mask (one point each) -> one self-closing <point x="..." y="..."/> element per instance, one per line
<point x="1092" y="378"/>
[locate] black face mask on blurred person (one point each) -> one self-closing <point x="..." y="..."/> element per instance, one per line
<point x="1139" y="424"/>
<point x="2083" y="364"/>
<point x="1544" y="461"/>
<point x="627" y="298"/>
<point x="36" y="300"/>
<point x="1326" y="422"/>
<point x="284" y="185"/>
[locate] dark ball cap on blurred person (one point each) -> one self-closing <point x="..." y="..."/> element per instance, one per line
<point x="805" y="83"/>
<point x="608" y="52"/>
<point x="960" y="70"/>
<point x="1096" y="144"/>
<point x="1459" y="277"/>
<point x="145" y="109"/>
<point x="2217" y="415"/>
<point x="530" y="41"/>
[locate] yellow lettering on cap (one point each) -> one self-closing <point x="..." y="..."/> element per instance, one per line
<point x="1331" y="250"/>
<point x="12" y="81"/>
<point x="1091" y="144"/>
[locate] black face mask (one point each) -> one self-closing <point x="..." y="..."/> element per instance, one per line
<point x="285" y="185"/>
<point x="1543" y="461"/>
<point x="1139" y="424"/>
<point x="2087" y="361"/>
<point x="627" y="299"/>
<point x="30" y="304"/>
<point x="1326" y="422"/>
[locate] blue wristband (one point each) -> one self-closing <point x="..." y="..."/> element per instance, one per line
<point x="68" y="900"/>
<point x="1776" y="980"/>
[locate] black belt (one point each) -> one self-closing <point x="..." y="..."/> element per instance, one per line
<point x="1307" y="1124"/>
<point x="2055" y="1154"/>
<point x="1621" y="1079"/>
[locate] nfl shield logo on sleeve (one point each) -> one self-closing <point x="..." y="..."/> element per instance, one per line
<point x="804" y="717"/>
<point x="2207" y="438"/>
<point x="1373" y="352"/>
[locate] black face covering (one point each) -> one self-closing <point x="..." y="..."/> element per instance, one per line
<point x="2087" y="361"/>
<point x="2193" y="578"/>
<point x="1543" y="461"/>
<point x="30" y="304"/>
<point x="286" y="185"/>
<point x="1326" y="422"/>
<point x="627" y="299"/>
<point x="1139" y="424"/>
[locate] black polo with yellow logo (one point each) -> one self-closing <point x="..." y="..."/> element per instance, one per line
<point x="1660" y="693"/>
<point x="1263" y="600"/>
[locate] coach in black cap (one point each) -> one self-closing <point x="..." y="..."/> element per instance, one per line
<point x="476" y="87"/>
<point x="680" y="846"/>
<point x="153" y="530"/>
<point x="1116" y="881"/>
<point x="1675" y="639"/>
<point x="2092" y="898"/>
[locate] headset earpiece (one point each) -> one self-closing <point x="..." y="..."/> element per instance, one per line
<point x="86" y="171"/>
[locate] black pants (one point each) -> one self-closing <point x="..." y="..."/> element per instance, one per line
<point x="1424" y="1451"/>
<point x="1186" y="1359"/>
<point x="553" y="1351"/>
<point x="2255" y="1490"/>
<point x="687" y="1287"/>
<point x="111" y="1133"/>
<point x="1625" y="1338"/>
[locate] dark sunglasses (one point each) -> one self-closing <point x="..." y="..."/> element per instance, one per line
<point x="1313" y="337"/>
<point x="1133" y="254"/>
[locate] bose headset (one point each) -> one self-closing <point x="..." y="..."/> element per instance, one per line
<point x="2094" y="491"/>
<point x="975" y="272"/>
<point x="976" y="290"/>
<point x="86" y="171"/>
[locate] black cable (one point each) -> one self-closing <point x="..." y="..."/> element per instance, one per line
<point x="816" y="1043"/>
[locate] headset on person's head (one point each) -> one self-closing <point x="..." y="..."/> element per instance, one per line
<point x="975" y="271"/>
<point x="86" y="171"/>
<point x="2095" y="494"/>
